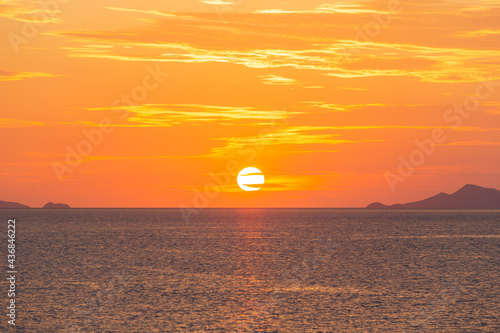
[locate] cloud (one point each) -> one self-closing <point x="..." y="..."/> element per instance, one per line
<point x="167" y="115"/>
<point x="472" y="143"/>
<point x="12" y="122"/>
<point x="17" y="76"/>
<point x="292" y="136"/>
<point x="268" y="186"/>
<point x="246" y="41"/>
<point x="103" y="158"/>
<point x="352" y="88"/>
<point x="151" y="12"/>
<point x="327" y="8"/>
<point x="340" y="107"/>
<point x="216" y="2"/>
<point x="492" y="107"/>
<point x="277" y="80"/>
<point x="273" y="183"/>
<point x="29" y="11"/>
<point x="479" y="33"/>
<point x="323" y="43"/>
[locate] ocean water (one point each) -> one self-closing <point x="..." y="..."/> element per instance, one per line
<point x="254" y="270"/>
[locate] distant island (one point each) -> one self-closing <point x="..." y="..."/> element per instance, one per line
<point x="6" y="204"/>
<point x="51" y="205"/>
<point x="468" y="197"/>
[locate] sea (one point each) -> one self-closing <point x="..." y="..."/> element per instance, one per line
<point x="251" y="270"/>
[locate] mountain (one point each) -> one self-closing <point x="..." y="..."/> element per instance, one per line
<point x="5" y="204"/>
<point x="55" y="205"/>
<point x="468" y="197"/>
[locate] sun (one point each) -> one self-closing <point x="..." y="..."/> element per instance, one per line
<point x="250" y="179"/>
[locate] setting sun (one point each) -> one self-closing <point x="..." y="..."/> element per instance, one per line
<point x="250" y="179"/>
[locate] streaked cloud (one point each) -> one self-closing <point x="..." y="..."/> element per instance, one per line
<point x="472" y="143"/>
<point x="12" y="122"/>
<point x="29" y="11"/>
<point x="274" y="183"/>
<point x="16" y="76"/>
<point x="242" y="42"/>
<point x="340" y="107"/>
<point x="352" y="88"/>
<point x="105" y="158"/>
<point x="167" y="115"/>
<point x="151" y="12"/>
<point x="293" y="135"/>
<point x="277" y="80"/>
<point x="216" y="2"/>
<point x="479" y="33"/>
<point x="327" y="8"/>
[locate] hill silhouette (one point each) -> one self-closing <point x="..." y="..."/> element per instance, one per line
<point x="468" y="197"/>
<point x="6" y="204"/>
<point x="55" y="205"/>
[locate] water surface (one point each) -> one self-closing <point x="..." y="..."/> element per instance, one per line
<point x="256" y="270"/>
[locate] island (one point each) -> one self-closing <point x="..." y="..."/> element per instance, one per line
<point x="51" y="205"/>
<point x="6" y="204"/>
<point x="468" y="197"/>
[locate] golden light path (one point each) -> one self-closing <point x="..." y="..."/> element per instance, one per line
<point x="250" y="179"/>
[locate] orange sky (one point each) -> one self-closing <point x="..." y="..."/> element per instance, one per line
<point x="324" y="98"/>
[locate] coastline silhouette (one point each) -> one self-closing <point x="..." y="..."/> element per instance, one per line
<point x="468" y="197"/>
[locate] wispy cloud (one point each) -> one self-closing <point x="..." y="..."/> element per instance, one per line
<point x="16" y="76"/>
<point x="29" y="11"/>
<point x="340" y="107"/>
<point x="12" y="122"/>
<point x="479" y="33"/>
<point x="352" y="88"/>
<point x="278" y="183"/>
<point x="105" y="158"/>
<point x="327" y="8"/>
<point x="370" y="59"/>
<point x="260" y="40"/>
<point x="472" y="143"/>
<point x="167" y="115"/>
<point x="151" y="11"/>
<point x="277" y="80"/>
<point x="292" y="136"/>
<point x="216" y="2"/>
